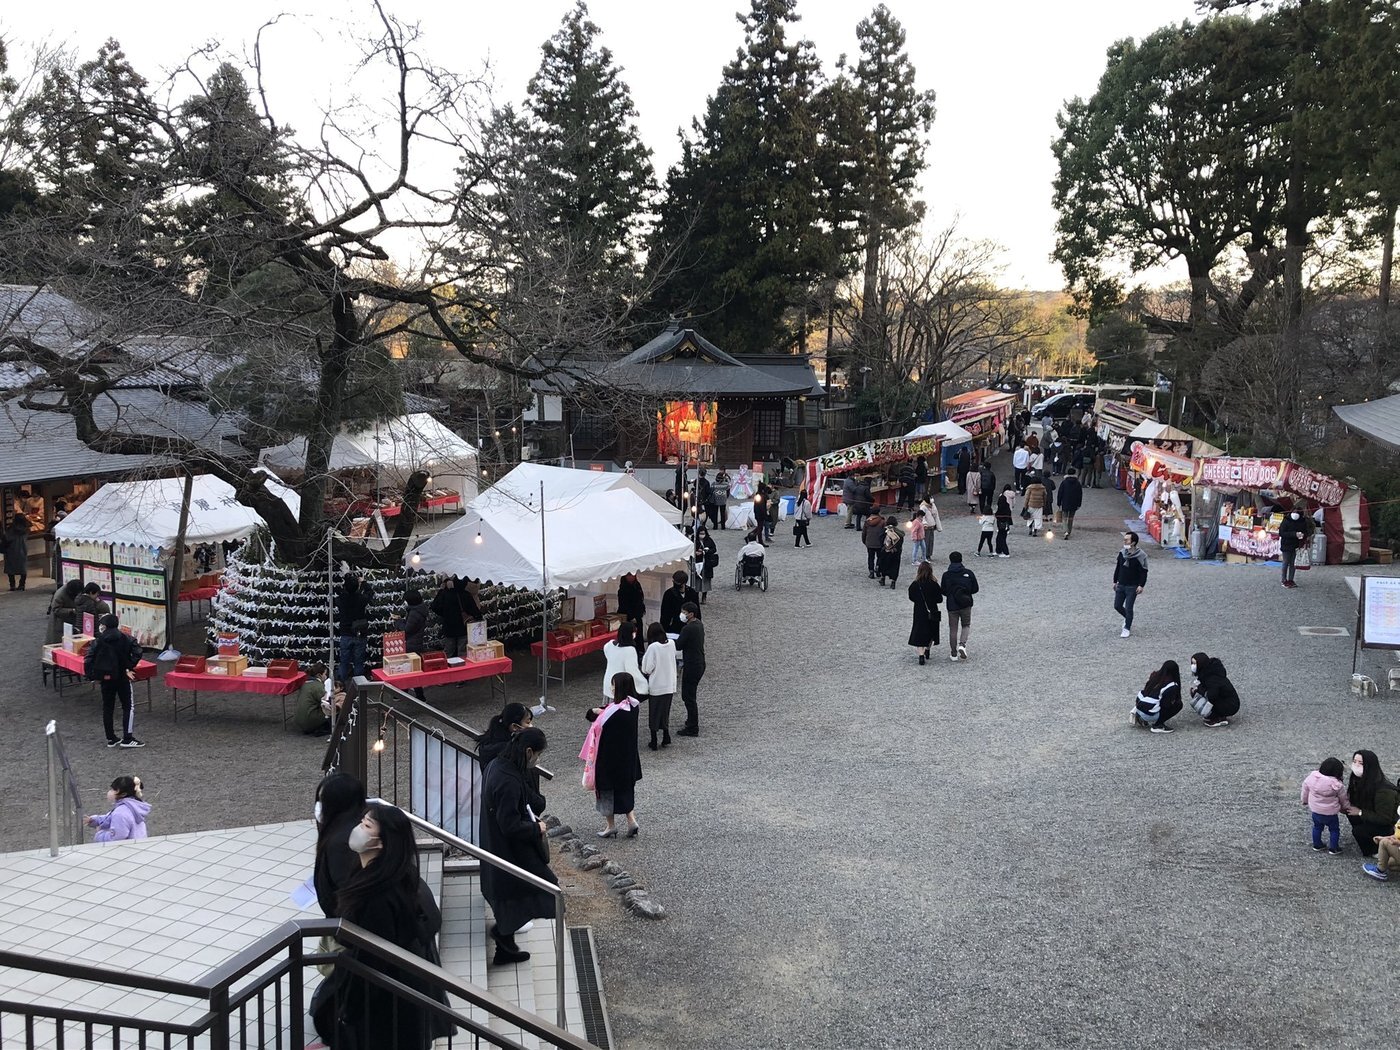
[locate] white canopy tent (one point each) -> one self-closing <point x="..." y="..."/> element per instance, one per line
<point x="147" y="513"/>
<point x="393" y="449"/>
<point x="565" y="485"/>
<point x="950" y="432"/>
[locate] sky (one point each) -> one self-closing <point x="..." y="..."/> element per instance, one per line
<point x="1001" y="70"/>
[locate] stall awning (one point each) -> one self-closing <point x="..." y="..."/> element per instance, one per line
<point x="1152" y="431"/>
<point x="1377" y="420"/>
<point x="147" y="513"/>
<point x="948" y="432"/>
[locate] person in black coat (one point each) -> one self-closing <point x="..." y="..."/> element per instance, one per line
<point x="352" y="628"/>
<point x="704" y="559"/>
<point x="1295" y="533"/>
<point x="986" y="495"/>
<point x="16" y="551"/>
<point x="512" y="830"/>
<point x="387" y="897"/>
<point x="1213" y="695"/>
<point x="340" y="802"/>
<point x="455" y="607"/>
<point x="1005" y="519"/>
<point x="927" y="597"/>
<point x="964" y="462"/>
<point x="690" y="644"/>
<point x="631" y="599"/>
<point x="110" y="660"/>
<point x="674" y="598"/>
<point x="959" y="585"/>
<point x="618" y="766"/>
<point x="1069" y="499"/>
<point x="415" y="627"/>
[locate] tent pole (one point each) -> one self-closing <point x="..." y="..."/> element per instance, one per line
<point x="544" y="616"/>
<point x="330" y="602"/>
<point x="172" y="586"/>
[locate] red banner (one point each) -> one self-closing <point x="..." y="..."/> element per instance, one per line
<point x="1159" y="463"/>
<point x="1274" y="475"/>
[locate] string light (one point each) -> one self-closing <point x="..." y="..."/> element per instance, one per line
<point x="478" y="533"/>
<point x="416" y="560"/>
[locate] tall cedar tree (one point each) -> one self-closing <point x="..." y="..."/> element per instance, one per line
<point x="888" y="156"/>
<point x="744" y="206"/>
<point x="596" y="177"/>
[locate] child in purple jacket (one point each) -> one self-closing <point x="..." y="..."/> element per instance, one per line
<point x="127" y="818"/>
<point x="1325" y="796"/>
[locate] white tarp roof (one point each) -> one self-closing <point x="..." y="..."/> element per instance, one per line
<point x="1378" y="420"/>
<point x="950" y="432"/>
<point x="404" y="444"/>
<point x="565" y="485"/>
<point x="147" y="513"/>
<point x="591" y="535"/>
<point x="1151" y="430"/>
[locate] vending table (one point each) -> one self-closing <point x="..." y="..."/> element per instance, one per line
<point x="562" y="654"/>
<point x="470" y="671"/>
<point x="73" y="664"/>
<point x="222" y="683"/>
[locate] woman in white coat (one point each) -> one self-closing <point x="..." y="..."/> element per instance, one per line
<point x="621" y="655"/>
<point x="659" y="665"/>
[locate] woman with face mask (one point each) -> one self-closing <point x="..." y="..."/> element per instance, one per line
<point x="1376" y="799"/>
<point x="127" y="817"/>
<point x="384" y="896"/>
<point x="511" y="828"/>
<point x="611" y="757"/>
<point x="1213" y="696"/>
<point x="340" y="802"/>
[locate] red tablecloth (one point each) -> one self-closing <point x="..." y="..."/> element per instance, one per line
<point x="145" y="670"/>
<point x="198" y="594"/>
<point x="573" y="649"/>
<point x="461" y="673"/>
<point x="222" y="683"/>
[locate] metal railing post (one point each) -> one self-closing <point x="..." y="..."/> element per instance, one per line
<point x="50" y="733"/>
<point x="559" y="958"/>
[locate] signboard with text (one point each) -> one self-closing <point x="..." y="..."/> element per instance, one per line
<point x="1380" y="612"/>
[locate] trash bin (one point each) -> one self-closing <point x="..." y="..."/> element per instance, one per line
<point x="789" y="505"/>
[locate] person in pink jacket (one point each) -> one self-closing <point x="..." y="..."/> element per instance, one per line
<point x="1325" y="796"/>
<point x="127" y="818"/>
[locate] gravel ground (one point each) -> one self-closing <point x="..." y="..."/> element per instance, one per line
<point x="863" y="852"/>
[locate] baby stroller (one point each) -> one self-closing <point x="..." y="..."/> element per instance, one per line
<point x="751" y="570"/>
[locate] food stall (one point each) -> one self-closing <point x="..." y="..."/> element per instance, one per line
<point x="985" y="415"/>
<point x="1162" y="483"/>
<point x="953" y="438"/>
<point x="870" y="458"/>
<point x="1254" y="494"/>
<point x="1114" y="422"/>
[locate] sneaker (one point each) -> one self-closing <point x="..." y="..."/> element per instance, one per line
<point x="1126" y="633"/>
<point x="1217" y="723"/>
<point x="131" y="741"/>
<point x="1162" y="729"/>
<point x="922" y="660"/>
<point x="113" y="742"/>
<point x="1335" y="852"/>
<point x="1319" y="848"/>
<point x="1374" y="871"/>
<point x="962" y="652"/>
<point x="953" y="657"/>
<point x="1003" y="555"/>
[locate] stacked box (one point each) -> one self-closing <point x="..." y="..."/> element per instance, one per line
<point x="190" y="665"/>
<point x="76" y="643"/>
<point x="233" y="666"/>
<point x="434" y="661"/>
<point x="282" y="669"/>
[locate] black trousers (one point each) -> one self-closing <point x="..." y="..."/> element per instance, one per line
<point x="114" y="689"/>
<point x="715" y="513"/>
<point x="986" y="538"/>
<point x="984" y="502"/>
<point x="799" y="533"/>
<point x="1002" y="530"/>
<point x="690" y="681"/>
<point x="659" y="713"/>
<point x="21" y="577"/>
<point x="1365" y="833"/>
<point x="871" y="554"/>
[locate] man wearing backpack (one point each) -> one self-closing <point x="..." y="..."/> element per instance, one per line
<point x="959" y="585"/>
<point x="110" y="660"/>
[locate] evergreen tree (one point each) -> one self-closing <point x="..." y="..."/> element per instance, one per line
<point x="743" y="217"/>
<point x="596" y="179"/>
<point x="887" y="156"/>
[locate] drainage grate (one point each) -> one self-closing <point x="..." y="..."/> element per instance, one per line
<point x="1324" y="632"/>
<point x="590" y="988"/>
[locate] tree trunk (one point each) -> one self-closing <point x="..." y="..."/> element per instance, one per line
<point x="871" y="321"/>
<point x="1387" y="259"/>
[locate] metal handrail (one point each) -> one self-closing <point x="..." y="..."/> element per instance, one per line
<point x="527" y="877"/>
<point x="214" y="986"/>
<point x="61" y="772"/>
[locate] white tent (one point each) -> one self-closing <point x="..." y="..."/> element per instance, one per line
<point x="394" y="449"/>
<point x="588" y="536"/>
<point x="950" y="432"/>
<point x="1151" y="430"/>
<point x="565" y="485"/>
<point x="147" y="513"/>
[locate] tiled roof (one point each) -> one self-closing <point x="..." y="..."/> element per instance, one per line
<point x="39" y="446"/>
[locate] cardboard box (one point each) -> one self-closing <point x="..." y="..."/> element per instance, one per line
<point x="405" y="663"/>
<point x="190" y="665"/>
<point x="483" y="653"/>
<point x="233" y="666"/>
<point x="76" y="643"/>
<point x="1382" y="555"/>
<point x="47" y="656"/>
<point x="282" y="669"/>
<point x="1236" y="559"/>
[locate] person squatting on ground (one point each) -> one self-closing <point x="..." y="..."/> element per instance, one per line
<point x="891" y="553"/>
<point x="612" y="765"/>
<point x="127" y="817"/>
<point x="511" y="828"/>
<point x="1213" y="695"/>
<point x="1374" y="796"/>
<point x="1129" y="579"/>
<point x="690" y="644"/>
<point x="927" y="597"/>
<point x="873" y="536"/>
<point x="958" y="585"/>
<point x="1325" y="796"/>
<point x="1387" y="856"/>
<point x="110" y="660"/>
<point x="1159" y="701"/>
<point x="1294" y="534"/>
<point x="308" y="707"/>
<point x="659" y="666"/>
